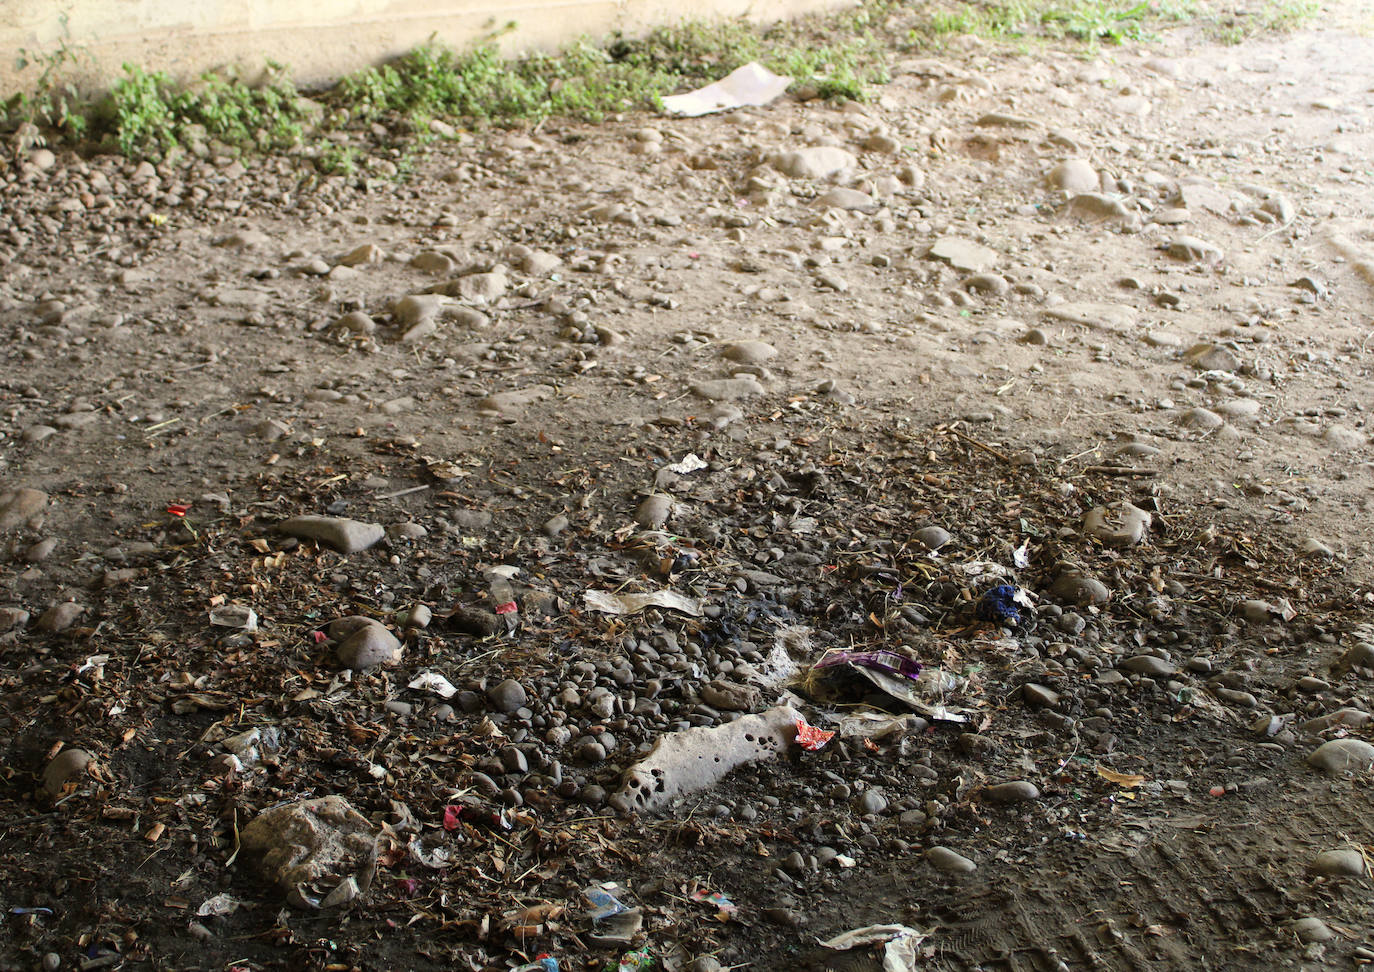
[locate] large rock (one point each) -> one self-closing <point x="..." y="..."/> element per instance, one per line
<point x="320" y="851"/>
<point x="1340" y="755"/>
<point x="693" y="759"/>
<point x="344" y="535"/>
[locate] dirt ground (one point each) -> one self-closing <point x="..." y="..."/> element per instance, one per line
<point x="1013" y="290"/>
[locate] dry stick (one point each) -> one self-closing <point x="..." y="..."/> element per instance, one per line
<point x="1120" y="471"/>
<point x="981" y="445"/>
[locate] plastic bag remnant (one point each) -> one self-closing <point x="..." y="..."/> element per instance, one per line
<point x="609" y="603"/>
<point x="752" y="84"/>
<point x="899" y="944"/>
<point x="883" y="661"/>
<point x="1002" y="605"/>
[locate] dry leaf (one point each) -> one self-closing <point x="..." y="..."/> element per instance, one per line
<point x="1128" y="780"/>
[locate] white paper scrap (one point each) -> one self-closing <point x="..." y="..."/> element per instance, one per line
<point x="752" y="84"/>
<point x="608" y="603"/>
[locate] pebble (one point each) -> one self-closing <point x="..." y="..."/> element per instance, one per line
<point x="1340" y="863"/>
<point x="654" y="510"/>
<point x="932" y="537"/>
<point x="1076" y="588"/>
<point x="344" y="535"/>
<point x="870" y="801"/>
<point x="814" y="162"/>
<point x="508" y="696"/>
<point x="60" y="617"/>
<point x="21" y="507"/>
<point x="727" y="389"/>
<point x="749" y="352"/>
<point x="950" y="861"/>
<point x="1039" y="695"/>
<point x="1311" y="930"/>
<point x="1194" y="250"/>
<point x="989" y="284"/>
<point x="364" y="643"/>
<point x="1150" y="665"/>
<point x="1073" y="176"/>
<point x="1200" y="418"/>
<point x="1014" y="791"/>
<point x="63" y="768"/>
<point x="846" y="199"/>
<point x="1340" y="755"/>
<point x="963" y="254"/>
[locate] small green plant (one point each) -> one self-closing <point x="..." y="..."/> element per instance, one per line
<point x="147" y="114"/>
<point x="1274" y="17"/>
<point x="52" y="102"/>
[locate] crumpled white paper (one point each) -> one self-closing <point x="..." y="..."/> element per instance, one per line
<point x="752" y="84"/>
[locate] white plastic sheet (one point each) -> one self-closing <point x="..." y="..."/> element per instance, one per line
<point x="752" y="84"/>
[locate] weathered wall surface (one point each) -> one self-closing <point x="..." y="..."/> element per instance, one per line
<point x="322" y="39"/>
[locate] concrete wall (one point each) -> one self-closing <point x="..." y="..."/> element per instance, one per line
<point x="321" y="39"/>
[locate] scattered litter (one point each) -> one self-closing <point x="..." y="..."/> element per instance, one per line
<point x="433" y="682"/>
<point x="896" y="676"/>
<point x="752" y="84"/>
<point x="602" y="901"/>
<point x="725" y="908"/>
<point x="693" y="759"/>
<point x="615" y="923"/>
<point x="690" y="463"/>
<point x="1002" y="604"/>
<point x="608" y="603"/>
<point x="239" y="616"/>
<point x="637" y="961"/>
<point x="899" y="944"/>
<point x="543" y="962"/>
<point x="878" y="725"/>
<point x="310" y="845"/>
<point x="31" y="911"/>
<point x="983" y="570"/>
<point x="1020" y="557"/>
<point x="811" y="738"/>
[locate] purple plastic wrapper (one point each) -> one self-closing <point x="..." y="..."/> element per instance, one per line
<point x="883" y="661"/>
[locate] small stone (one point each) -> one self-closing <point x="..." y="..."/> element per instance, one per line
<point x="60" y="617"/>
<point x="727" y="389"/>
<point x="963" y="254"/>
<point x="508" y="696"/>
<point x="1346" y="862"/>
<point x="654" y="510"/>
<point x="364" y="643"/>
<point x="814" y="162"/>
<point x="63" y="768"/>
<point x="1200" y="418"/>
<point x="1073" y="176"/>
<point x="20" y="507"/>
<point x="846" y="199"/>
<point x="749" y="352"/>
<point x="1150" y="665"/>
<point x="555" y="525"/>
<point x="1039" y="695"/>
<point x="988" y="284"/>
<point x="730" y="696"/>
<point x="344" y="535"/>
<point x="366" y="253"/>
<point x="1311" y="930"/>
<point x="1080" y="589"/>
<point x="1014" y="791"/>
<point x="1340" y="755"/>
<point x="932" y="537"/>
<point x="950" y="861"/>
<point x="40" y="551"/>
<point x="13" y="617"/>
<point x="419" y="616"/>
<point x="1194" y="250"/>
<point x="870" y="801"/>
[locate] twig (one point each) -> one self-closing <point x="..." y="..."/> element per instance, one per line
<point x="981" y="445"/>
<point x="403" y="492"/>
<point x="1120" y="471"/>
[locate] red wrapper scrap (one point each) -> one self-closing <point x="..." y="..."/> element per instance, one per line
<point x="507" y="608"/>
<point x="178" y="509"/>
<point x="810" y="738"/>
